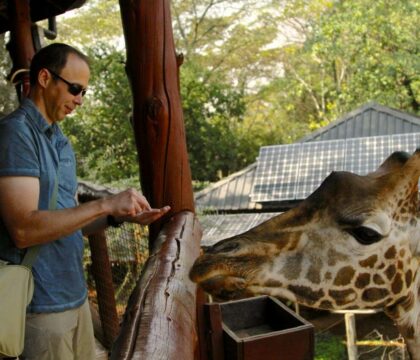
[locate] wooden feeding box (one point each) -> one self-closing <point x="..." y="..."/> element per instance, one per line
<point x="257" y="328"/>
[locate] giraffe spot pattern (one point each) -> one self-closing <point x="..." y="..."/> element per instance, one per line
<point x="326" y="304"/>
<point x="343" y="297"/>
<point x="369" y="262"/>
<point x="397" y="284"/>
<point x="273" y="283"/>
<point x="344" y="276"/>
<point x="308" y="295"/>
<point x="313" y="274"/>
<point x="374" y="294"/>
<point x="293" y="267"/>
<point x="362" y="280"/>
<point x="377" y="279"/>
<point x="390" y="253"/>
<point x="408" y="278"/>
<point x="390" y="271"/>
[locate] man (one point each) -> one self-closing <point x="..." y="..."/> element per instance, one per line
<point x="34" y="154"/>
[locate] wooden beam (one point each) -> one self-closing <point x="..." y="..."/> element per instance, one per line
<point x="160" y="319"/>
<point x="21" y="46"/>
<point x="102" y="273"/>
<point x="152" y="68"/>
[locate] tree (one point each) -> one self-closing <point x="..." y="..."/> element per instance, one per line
<point x="100" y="131"/>
<point x="353" y="52"/>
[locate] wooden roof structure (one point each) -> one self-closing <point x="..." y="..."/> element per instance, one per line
<point x="232" y="194"/>
<point x="39" y="10"/>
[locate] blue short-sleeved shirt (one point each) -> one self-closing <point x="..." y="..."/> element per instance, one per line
<point x="29" y="146"/>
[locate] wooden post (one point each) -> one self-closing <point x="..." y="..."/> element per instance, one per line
<point x="20" y="47"/>
<point x="101" y="271"/>
<point x="152" y="69"/>
<point x="351" y="335"/>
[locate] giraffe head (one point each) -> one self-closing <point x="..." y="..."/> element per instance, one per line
<point x="350" y="245"/>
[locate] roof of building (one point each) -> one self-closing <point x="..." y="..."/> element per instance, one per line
<point x="370" y="119"/>
<point x="232" y="194"/>
<point x="40" y="10"/>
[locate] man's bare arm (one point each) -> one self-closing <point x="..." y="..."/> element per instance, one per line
<point x="29" y="226"/>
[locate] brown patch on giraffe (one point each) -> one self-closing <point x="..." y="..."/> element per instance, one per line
<point x="369" y="262"/>
<point x="362" y="280"/>
<point x="293" y="267"/>
<point x="377" y="279"/>
<point x="343" y="297"/>
<point x="344" y="276"/>
<point x="402" y="253"/>
<point x="306" y="295"/>
<point x="326" y="304"/>
<point x="313" y="274"/>
<point x="374" y="294"/>
<point x="335" y="256"/>
<point x="390" y="271"/>
<point x="408" y="332"/>
<point x="400" y="265"/>
<point x="273" y="283"/>
<point x="390" y="253"/>
<point x="328" y="276"/>
<point x="381" y="266"/>
<point x="406" y="302"/>
<point x="408" y="278"/>
<point x="397" y="284"/>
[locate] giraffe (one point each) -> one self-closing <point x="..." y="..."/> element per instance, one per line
<point x="352" y="244"/>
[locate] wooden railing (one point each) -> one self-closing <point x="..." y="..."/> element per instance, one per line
<point x="160" y="319"/>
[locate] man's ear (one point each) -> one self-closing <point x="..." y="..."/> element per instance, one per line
<point x="44" y="77"/>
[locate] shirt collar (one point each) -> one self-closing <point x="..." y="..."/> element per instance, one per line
<point x="38" y="119"/>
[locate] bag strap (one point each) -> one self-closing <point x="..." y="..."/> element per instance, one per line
<point x="32" y="252"/>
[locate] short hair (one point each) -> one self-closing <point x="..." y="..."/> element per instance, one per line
<point x="52" y="57"/>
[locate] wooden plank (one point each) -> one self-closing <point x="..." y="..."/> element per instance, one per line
<point x="160" y="319"/>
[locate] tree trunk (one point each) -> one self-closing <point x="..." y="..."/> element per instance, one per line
<point x="157" y="113"/>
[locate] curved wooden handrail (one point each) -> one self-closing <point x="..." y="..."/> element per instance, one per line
<point x="160" y="319"/>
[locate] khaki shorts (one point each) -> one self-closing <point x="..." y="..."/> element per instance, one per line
<point x="66" y="335"/>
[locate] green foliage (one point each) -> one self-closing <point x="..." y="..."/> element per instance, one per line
<point x="329" y="347"/>
<point x="353" y="52"/>
<point x="213" y="113"/>
<point x="101" y="131"/>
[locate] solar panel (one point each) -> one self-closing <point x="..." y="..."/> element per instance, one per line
<point x="219" y="227"/>
<point x="292" y="172"/>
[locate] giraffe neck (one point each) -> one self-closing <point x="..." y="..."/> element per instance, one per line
<point x="406" y="315"/>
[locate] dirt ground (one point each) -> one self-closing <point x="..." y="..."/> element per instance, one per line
<point x="377" y="337"/>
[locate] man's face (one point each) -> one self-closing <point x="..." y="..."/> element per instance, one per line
<point x="59" y="102"/>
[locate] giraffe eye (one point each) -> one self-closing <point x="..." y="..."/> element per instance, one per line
<point x="226" y="246"/>
<point x="365" y="235"/>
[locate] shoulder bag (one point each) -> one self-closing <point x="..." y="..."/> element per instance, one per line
<point x="16" y="291"/>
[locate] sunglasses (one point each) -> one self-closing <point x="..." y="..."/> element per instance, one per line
<point x="74" y="89"/>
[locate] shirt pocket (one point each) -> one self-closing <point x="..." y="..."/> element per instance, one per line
<point x="67" y="171"/>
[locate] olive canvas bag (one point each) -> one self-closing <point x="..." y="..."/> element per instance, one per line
<point x="16" y="291"/>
